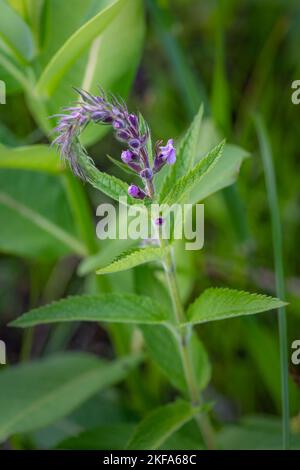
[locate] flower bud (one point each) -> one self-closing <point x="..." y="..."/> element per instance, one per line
<point x="136" y="192"/>
<point x="159" y="221"/>
<point x="127" y="156"/>
<point x="147" y="174"/>
<point x="134" y="144"/>
<point x="123" y="136"/>
<point x="118" y="124"/>
<point x="133" y="120"/>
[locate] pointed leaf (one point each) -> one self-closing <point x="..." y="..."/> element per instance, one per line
<point x="188" y="182"/>
<point x="223" y="174"/>
<point x="185" y="154"/>
<point x="160" y="424"/>
<point x="133" y="258"/>
<point x="122" y="308"/>
<point x="219" y="303"/>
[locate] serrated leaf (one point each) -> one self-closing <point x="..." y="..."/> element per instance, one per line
<point x="33" y="157"/>
<point x="120" y="308"/>
<point x="220" y="303"/>
<point x="160" y="424"/>
<point x="163" y="349"/>
<point x="74" y="47"/>
<point x="107" y="184"/>
<point x="38" y="393"/>
<point x="185" y="155"/>
<point x="188" y="182"/>
<point x="133" y="258"/>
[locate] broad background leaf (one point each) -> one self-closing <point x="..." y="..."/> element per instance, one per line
<point x="34" y="157"/>
<point x="43" y="195"/>
<point x="110" y="59"/>
<point x="15" y="33"/>
<point x="255" y="433"/>
<point x="36" y="394"/>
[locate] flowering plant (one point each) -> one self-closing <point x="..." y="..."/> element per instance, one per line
<point x="169" y="332"/>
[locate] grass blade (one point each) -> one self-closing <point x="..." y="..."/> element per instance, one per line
<point x="266" y="153"/>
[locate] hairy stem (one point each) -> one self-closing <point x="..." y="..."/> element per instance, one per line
<point x="183" y="344"/>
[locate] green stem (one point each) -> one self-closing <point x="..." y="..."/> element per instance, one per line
<point x="183" y="345"/>
<point x="270" y="178"/>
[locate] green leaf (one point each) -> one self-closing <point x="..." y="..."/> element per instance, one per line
<point x="144" y="129"/>
<point x="219" y="303"/>
<point x="255" y="336"/>
<point x="133" y="258"/>
<point x="188" y="182"/>
<point x="108" y="437"/>
<point x="223" y="174"/>
<point x="255" y="433"/>
<point x="74" y="47"/>
<point x="34" y="157"/>
<point x="121" y="308"/>
<point x="15" y="33"/>
<point x="38" y="393"/>
<point x="108" y="184"/>
<point x="163" y="349"/>
<point x="110" y="249"/>
<point x="160" y="424"/>
<point x="185" y="154"/>
<point x="111" y="59"/>
<point x="37" y="225"/>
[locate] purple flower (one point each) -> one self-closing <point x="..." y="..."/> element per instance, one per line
<point x="133" y="120"/>
<point x="118" y="124"/>
<point x="134" y="143"/>
<point x="123" y="136"/>
<point x="159" y="221"/>
<point x="136" y="192"/>
<point x="127" y="156"/>
<point x="168" y="153"/>
<point x="107" y="109"/>
<point x="147" y="174"/>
